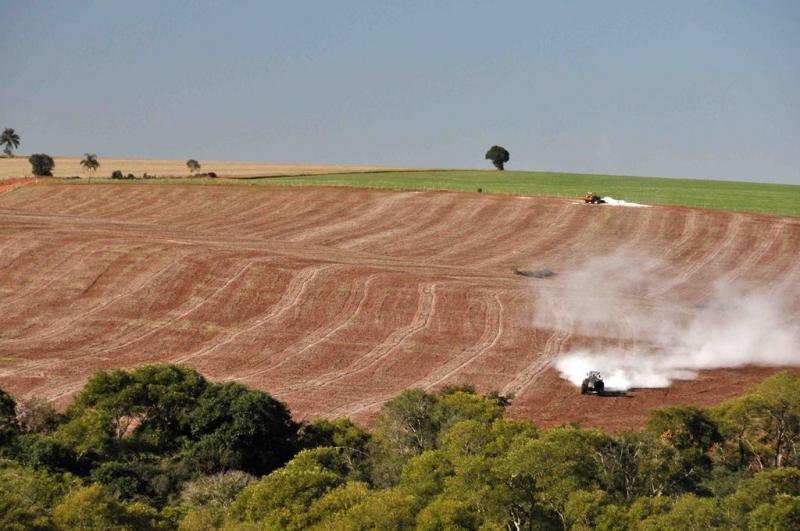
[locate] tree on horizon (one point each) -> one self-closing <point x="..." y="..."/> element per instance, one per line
<point x="42" y="164"/>
<point x="10" y="140"/>
<point x="90" y="163"/>
<point x="499" y="156"/>
<point x="193" y="165"/>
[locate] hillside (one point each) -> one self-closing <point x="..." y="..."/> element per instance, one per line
<point x="336" y="299"/>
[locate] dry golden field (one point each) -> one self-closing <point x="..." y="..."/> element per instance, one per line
<point x="11" y="168"/>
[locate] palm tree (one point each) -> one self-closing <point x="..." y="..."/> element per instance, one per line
<point x="10" y="140"/>
<point x="90" y="163"/>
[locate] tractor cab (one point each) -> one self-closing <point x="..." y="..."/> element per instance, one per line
<point x="593" y="383"/>
<point x="593" y="198"/>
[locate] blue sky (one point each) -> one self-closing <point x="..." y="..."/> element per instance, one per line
<point x="690" y="89"/>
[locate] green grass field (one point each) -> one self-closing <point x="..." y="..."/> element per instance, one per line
<point x="722" y="195"/>
<point x="778" y="199"/>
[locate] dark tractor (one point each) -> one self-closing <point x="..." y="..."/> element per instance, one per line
<point x="593" y="383"/>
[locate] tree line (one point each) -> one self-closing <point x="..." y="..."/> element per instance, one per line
<point x="159" y="447"/>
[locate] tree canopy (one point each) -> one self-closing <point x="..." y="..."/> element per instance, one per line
<point x="499" y="156"/>
<point x="90" y="163"/>
<point x="10" y="141"/>
<point x="158" y="447"/>
<point x="42" y="165"/>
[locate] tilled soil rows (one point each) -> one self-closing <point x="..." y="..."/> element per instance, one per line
<point x="334" y="300"/>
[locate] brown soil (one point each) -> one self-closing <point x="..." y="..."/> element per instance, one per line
<point x="335" y="300"/>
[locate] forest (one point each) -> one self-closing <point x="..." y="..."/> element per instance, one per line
<point x="159" y="447"/>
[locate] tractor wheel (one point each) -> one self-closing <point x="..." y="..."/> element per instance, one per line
<point x="599" y="387"/>
<point x="584" y="388"/>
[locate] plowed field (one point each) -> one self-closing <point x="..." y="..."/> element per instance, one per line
<point x="335" y="300"/>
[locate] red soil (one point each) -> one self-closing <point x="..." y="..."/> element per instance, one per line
<point x="335" y="300"/>
<point x="12" y="184"/>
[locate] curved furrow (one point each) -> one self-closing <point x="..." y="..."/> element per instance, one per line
<point x="123" y="333"/>
<point x="409" y="225"/>
<point x="29" y="244"/>
<point x="786" y="267"/>
<point x="10" y="254"/>
<point x="129" y="206"/>
<point x="92" y="353"/>
<point x="383" y="217"/>
<point x="633" y="241"/>
<point x="215" y="211"/>
<point x="304" y="215"/>
<point x="732" y="231"/>
<point x="666" y="252"/>
<point x="687" y="235"/>
<point x="427" y="234"/>
<point x="290" y="299"/>
<point x="242" y="223"/>
<point x="492" y="331"/>
<point x="755" y="253"/>
<point x="421" y="319"/>
<point x="82" y="207"/>
<point x="474" y="234"/>
<point x="144" y="280"/>
<point x="67" y="268"/>
<point x="350" y="310"/>
<point x="476" y="237"/>
<point x="135" y="334"/>
<point x="560" y="335"/>
<point x="577" y="243"/>
<point x="558" y="223"/>
<point x="361" y="223"/>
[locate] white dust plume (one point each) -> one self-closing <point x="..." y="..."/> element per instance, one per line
<point x="648" y="343"/>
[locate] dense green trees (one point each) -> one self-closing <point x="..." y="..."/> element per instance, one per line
<point x="160" y="448"/>
<point x="499" y="156"/>
<point x="236" y="428"/>
<point x="42" y="165"/>
<point x="8" y="421"/>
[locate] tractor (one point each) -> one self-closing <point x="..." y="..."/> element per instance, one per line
<point x="593" y="383"/>
<point x="593" y="198"/>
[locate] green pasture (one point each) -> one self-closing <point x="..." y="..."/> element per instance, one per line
<point x="722" y="195"/>
<point x="781" y="199"/>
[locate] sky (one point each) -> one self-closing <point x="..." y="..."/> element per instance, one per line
<point x="689" y="89"/>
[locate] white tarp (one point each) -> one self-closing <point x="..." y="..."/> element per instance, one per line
<point x="619" y="202"/>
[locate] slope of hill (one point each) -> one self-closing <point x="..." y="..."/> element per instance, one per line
<point x="336" y="299"/>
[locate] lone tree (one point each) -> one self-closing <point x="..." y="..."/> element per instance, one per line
<point x="42" y="164"/>
<point x="90" y="163"/>
<point x="10" y="140"/>
<point x="193" y="165"/>
<point x="499" y="156"/>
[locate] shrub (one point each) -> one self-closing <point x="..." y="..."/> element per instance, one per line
<point x="42" y="164"/>
<point x="117" y="175"/>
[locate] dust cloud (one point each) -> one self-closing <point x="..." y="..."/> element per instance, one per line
<point x="646" y="341"/>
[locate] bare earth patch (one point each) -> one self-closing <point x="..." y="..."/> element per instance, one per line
<point x="335" y="300"/>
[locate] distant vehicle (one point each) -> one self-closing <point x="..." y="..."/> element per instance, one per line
<point x="593" y="383"/>
<point x="593" y="198"/>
